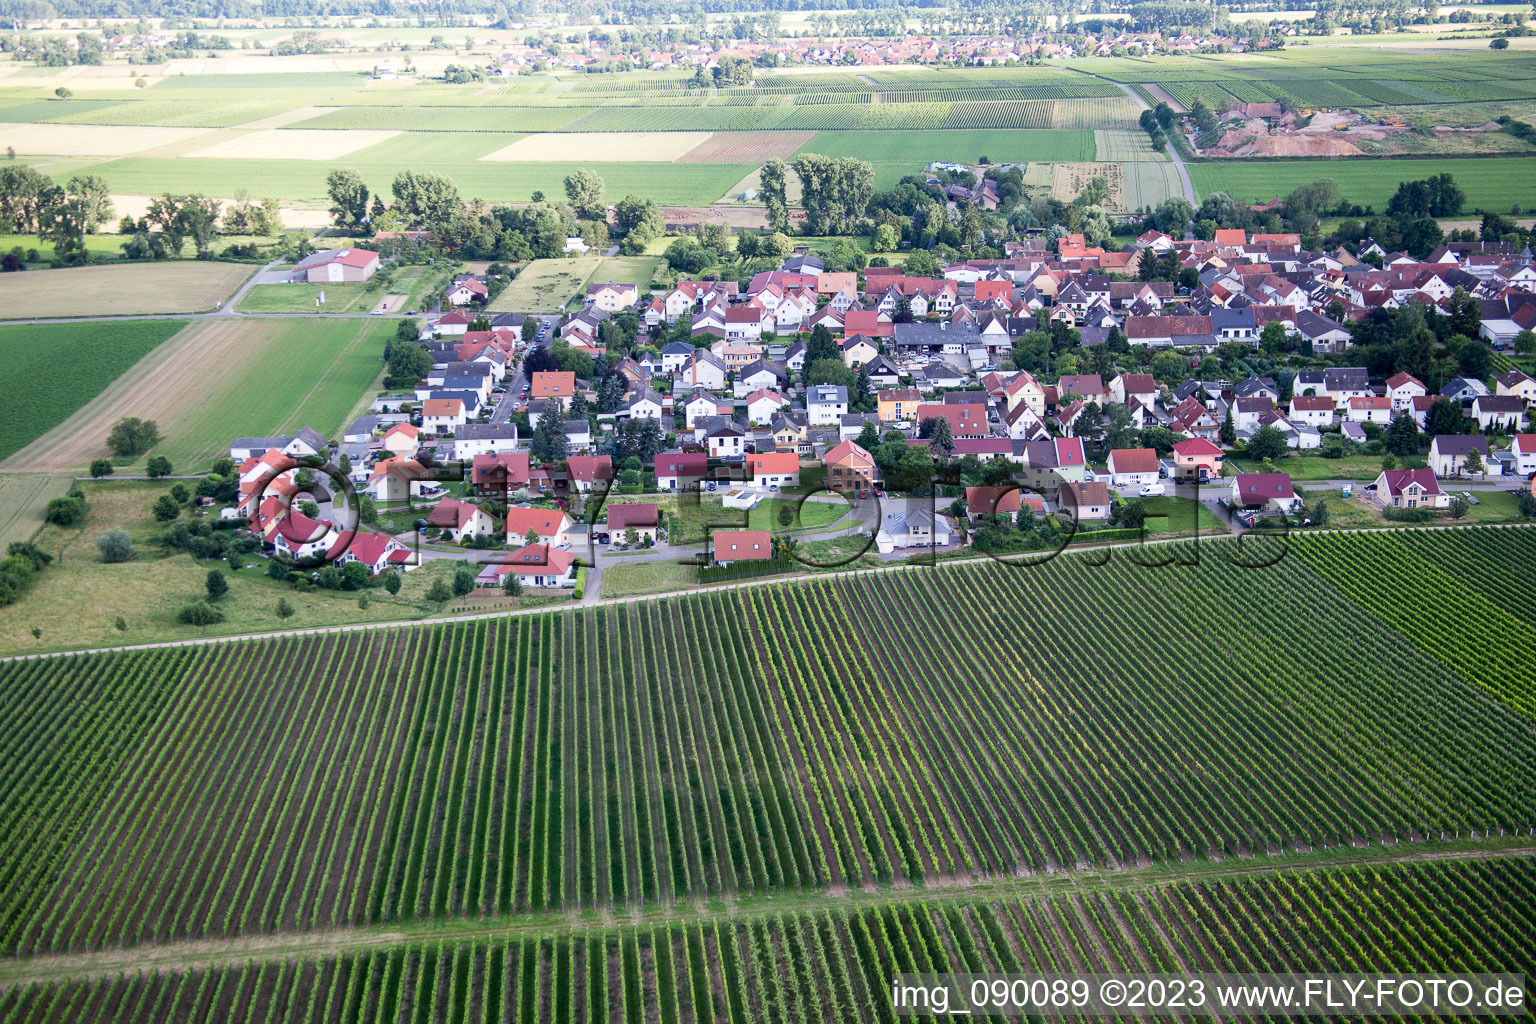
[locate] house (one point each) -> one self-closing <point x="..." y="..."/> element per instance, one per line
<point x="1498" y="412"/>
<point x="1133" y="385"/>
<point x="790" y="433"/>
<point x="826" y="404"/>
<point x="1325" y="334"/>
<point x="550" y="525"/>
<point x="1341" y="383"/>
<point x="899" y="404"/>
<point x="1524" y="451"/>
<point x="677" y="471"/>
<point x="1000" y="501"/>
<point x="1247" y="412"/>
<point x="1132" y="468"/>
<point x="1369" y="409"/>
<point x="741" y="546"/>
<point x="642" y="517"/>
<point x="553" y="385"/>
<point x="1268" y="491"/>
<point x="858" y="350"/>
<point x="1464" y="389"/>
<point x="589" y="471"/>
<point x="703" y="369"/>
<point x="775" y="469"/>
<point x="1085" y="500"/>
<point x="612" y="298"/>
<point x="1312" y="410"/>
<point x="763" y="405"/>
<point x="460" y="521"/>
<point x="643" y="404"/>
<point x="913" y="528"/>
<point x="483" y="439"/>
<point x="333" y="266"/>
<point x="1197" y="459"/>
<point x="537" y="565"/>
<point x="466" y="290"/>
<point x="442" y="415"/>
<point x="1024" y="389"/>
<point x="402" y="439"/>
<point x="726" y="440"/>
<point x="378" y="552"/>
<point x="850" y="468"/>
<point x="748" y="321"/>
<point x="1448" y="453"/>
<point x="396" y="480"/>
<point x="1402" y="389"/>
<point x="1518" y="384"/>
<point x="291" y="533"/>
<point x="1410" y="488"/>
<point x="965" y="420"/>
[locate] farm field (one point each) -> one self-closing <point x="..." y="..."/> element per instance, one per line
<point x="656" y="753"/>
<point x="340" y="297"/>
<point x="132" y="289"/>
<point x="835" y="963"/>
<point x="47" y="381"/>
<point x="23" y="499"/>
<point x="546" y="285"/>
<point x="223" y="379"/>
<point x="1494" y="183"/>
<point x="636" y="270"/>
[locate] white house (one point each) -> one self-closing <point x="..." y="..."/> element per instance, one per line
<point x="826" y="404"/>
<point x="461" y="521"/>
<point x="1498" y="412"/>
<point x="1369" y="409"/>
<point x="726" y="441"/>
<point x="1410" y="488"/>
<point x="1132" y="468"/>
<point x="1402" y="389"/>
<point x="1524" y="450"/>
<point x="916" y="527"/>
<point x="1448" y="453"/>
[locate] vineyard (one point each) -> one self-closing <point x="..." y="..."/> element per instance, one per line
<point x="653" y="753"/>
<point x="836" y="964"/>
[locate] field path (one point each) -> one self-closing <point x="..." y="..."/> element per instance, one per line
<point x="1173" y="153"/>
<point x="201" y="954"/>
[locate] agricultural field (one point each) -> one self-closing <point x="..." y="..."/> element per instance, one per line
<point x="340" y="297"/>
<point x="635" y="270"/>
<point x="47" y="381"/>
<point x="546" y="285"/>
<point x="835" y="964"/>
<point x="1494" y="183"/>
<point x="222" y="379"/>
<point x="134" y="289"/>
<point x="652" y="754"/>
<point x="23" y="499"/>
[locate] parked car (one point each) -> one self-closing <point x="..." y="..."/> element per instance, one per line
<point x="1154" y="490"/>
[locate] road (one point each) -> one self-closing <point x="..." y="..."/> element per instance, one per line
<point x="514" y="381"/>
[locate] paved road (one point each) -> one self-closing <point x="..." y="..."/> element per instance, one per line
<point x="514" y="381"/>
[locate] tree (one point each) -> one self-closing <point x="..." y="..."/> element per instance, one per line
<point x="772" y="186"/>
<point x="66" y="511"/>
<point x="1474" y="463"/>
<point x="284" y="609"/>
<point x="941" y="439"/>
<point x="1130" y="515"/>
<point x="157" y="467"/>
<point x="548" y="443"/>
<point x="511" y="584"/>
<point x="440" y="592"/>
<point x="638" y="220"/>
<point x="1525" y="343"/>
<point x="166" y="508"/>
<point x="425" y="200"/>
<point x="584" y="189"/>
<point x="1526" y="504"/>
<point x="1402" y="435"/>
<point x="408" y="363"/>
<point x="121" y="624"/>
<point x="216" y="584"/>
<point x="392" y="583"/>
<point x="349" y="197"/>
<point x="1457" y="507"/>
<point x="200" y="613"/>
<point x="101" y="468"/>
<point x="1498" y="43"/>
<point x="115" y="546"/>
<point x="463" y="579"/>
<point x="1444" y="417"/>
<point x="885" y="239"/>
<point x="1268" y="442"/>
<point x="1228" y="432"/>
<point x="132" y="437"/>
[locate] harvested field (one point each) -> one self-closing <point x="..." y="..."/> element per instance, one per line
<point x="90" y="139"/>
<point x="136" y="289"/>
<point x="745" y="147"/>
<point x="1125" y="144"/>
<point x="22" y="501"/>
<point x="546" y="285"/>
<point x="1069" y="179"/>
<point x="1149" y="182"/>
<point x="599" y="147"/>
<point x="294" y="144"/>
<point x="287" y="118"/>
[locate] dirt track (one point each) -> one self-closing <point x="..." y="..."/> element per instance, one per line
<point x="162" y="386"/>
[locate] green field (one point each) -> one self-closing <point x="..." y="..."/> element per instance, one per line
<point x="353" y="297"/>
<point x="547" y="285"/>
<point x="308" y="373"/>
<point x="635" y="270"/>
<point x="897" y="154"/>
<point x="47" y="379"/>
<point x="1493" y="183"/>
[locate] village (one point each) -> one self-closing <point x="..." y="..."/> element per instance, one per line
<point x="930" y="439"/>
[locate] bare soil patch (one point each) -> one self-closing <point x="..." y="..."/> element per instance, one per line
<point x="135" y="289"/>
<point x="745" y="147"/>
<point x="1157" y="92"/>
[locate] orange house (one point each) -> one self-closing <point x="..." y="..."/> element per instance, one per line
<point x="850" y="468"/>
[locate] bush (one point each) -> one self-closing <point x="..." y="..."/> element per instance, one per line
<point x="581" y="584"/>
<point x="66" y="511"/>
<point x="166" y="508"/>
<point x="200" y="613"/>
<point x="464" y="579"/>
<point x="216" y="584"/>
<point x="101" y="468"/>
<point x="392" y="582"/>
<point x="284" y="609"/>
<point x="439" y="592"/>
<point x="115" y="546"/>
<point x="1408" y="515"/>
<point x="157" y="467"/>
<point x="131" y="437"/>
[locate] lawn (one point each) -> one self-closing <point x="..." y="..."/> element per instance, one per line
<point x="1170" y="514"/>
<point x="622" y="579"/>
<point x="1363" y="468"/>
<point x="46" y="378"/>
<point x="346" y="297"/>
<point x="23" y="497"/>
<point x="77" y="600"/>
<point x="175" y="286"/>
<point x="547" y="285"/>
<point x="636" y="270"/>
<point x="1493" y="183"/>
<point x="897" y="154"/>
<point x="813" y="515"/>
